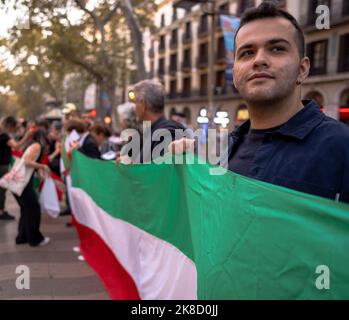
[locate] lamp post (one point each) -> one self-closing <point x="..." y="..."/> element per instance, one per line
<point x="209" y="9"/>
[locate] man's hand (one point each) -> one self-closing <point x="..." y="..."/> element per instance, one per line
<point x="181" y="146"/>
<point x="75" y="145"/>
<point x="125" y="159"/>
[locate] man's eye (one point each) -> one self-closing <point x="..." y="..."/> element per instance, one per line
<point x="277" y="49"/>
<point x="246" y="53"/>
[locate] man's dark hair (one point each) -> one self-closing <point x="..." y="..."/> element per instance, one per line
<point x="9" y="122"/>
<point x="268" y="9"/>
<point x="99" y="128"/>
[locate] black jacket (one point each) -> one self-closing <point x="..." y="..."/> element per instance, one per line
<point x="90" y="148"/>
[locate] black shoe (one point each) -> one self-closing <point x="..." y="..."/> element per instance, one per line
<point x="6" y="216"/>
<point x="20" y="241"/>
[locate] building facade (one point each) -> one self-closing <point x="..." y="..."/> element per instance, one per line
<point x="178" y="55"/>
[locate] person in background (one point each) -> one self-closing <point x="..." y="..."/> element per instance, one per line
<point x="55" y="147"/>
<point x="8" y="128"/>
<point x="101" y="135"/>
<point x="149" y="98"/>
<point x="180" y="118"/>
<point x="29" y="222"/>
<point x="86" y="144"/>
<point x="69" y="112"/>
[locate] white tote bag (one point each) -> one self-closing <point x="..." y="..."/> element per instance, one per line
<point x="18" y="177"/>
<point x="49" y="199"/>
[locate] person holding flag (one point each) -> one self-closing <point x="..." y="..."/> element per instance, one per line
<point x="287" y="141"/>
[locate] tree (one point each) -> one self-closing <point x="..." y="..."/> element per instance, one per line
<point x="98" y="45"/>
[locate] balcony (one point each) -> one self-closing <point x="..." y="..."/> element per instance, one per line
<point x="161" y="72"/>
<point x="186" y="38"/>
<point x="186" y="94"/>
<point x="203" y="31"/>
<point x="162" y="49"/>
<point x="186" y="66"/>
<point x="172" y="95"/>
<point x="202" y="62"/>
<point x="220" y="57"/>
<point x="172" y="70"/>
<point x="173" y="43"/>
<point x="220" y="90"/>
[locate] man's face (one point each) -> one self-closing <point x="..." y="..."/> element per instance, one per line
<point x="267" y="62"/>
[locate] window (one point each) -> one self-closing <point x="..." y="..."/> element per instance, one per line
<point x="203" y="85"/>
<point x="244" y="5"/>
<point x="203" y="54"/>
<point x="186" y="59"/>
<point x="345" y="9"/>
<point x="187" y="33"/>
<point x="220" y="82"/>
<point x="317" y="52"/>
<point x="161" y="70"/>
<point x="343" y="65"/>
<point x="173" y="63"/>
<point x="220" y="49"/>
<point x="313" y="4"/>
<point x="162" y="43"/>
<point x="174" y="38"/>
<point x="203" y="28"/>
<point x="224" y="8"/>
<point x="174" y="15"/>
<point x="186" y="87"/>
<point x="173" y="89"/>
<point x="162" y="23"/>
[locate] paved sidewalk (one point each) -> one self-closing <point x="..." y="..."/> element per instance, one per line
<point x="55" y="271"/>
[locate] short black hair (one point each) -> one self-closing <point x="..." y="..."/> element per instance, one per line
<point x="10" y="122"/>
<point x="269" y="9"/>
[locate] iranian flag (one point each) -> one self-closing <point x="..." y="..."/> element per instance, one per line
<point x="177" y="232"/>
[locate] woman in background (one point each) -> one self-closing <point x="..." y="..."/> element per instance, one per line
<point x="8" y="128"/>
<point x="29" y="223"/>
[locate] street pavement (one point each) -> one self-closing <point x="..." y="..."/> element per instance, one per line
<point x="55" y="271"/>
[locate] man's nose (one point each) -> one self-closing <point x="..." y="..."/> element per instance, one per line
<point x="261" y="59"/>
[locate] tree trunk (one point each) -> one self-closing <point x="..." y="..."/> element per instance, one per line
<point x="137" y="37"/>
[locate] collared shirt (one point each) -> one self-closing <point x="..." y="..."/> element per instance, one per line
<point x="309" y="153"/>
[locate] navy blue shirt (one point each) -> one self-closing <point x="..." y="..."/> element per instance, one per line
<point x="309" y="153"/>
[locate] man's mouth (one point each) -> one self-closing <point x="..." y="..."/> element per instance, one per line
<point x="260" y="75"/>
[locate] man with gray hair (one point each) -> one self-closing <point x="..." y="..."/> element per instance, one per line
<point x="149" y="98"/>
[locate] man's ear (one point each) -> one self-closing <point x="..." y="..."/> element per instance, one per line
<point x="304" y="69"/>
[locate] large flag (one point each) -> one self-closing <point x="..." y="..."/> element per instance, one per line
<point x="176" y="232"/>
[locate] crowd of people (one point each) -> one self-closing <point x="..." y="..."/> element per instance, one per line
<point x="40" y="143"/>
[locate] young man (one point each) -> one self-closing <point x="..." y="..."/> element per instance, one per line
<point x="287" y="141"/>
